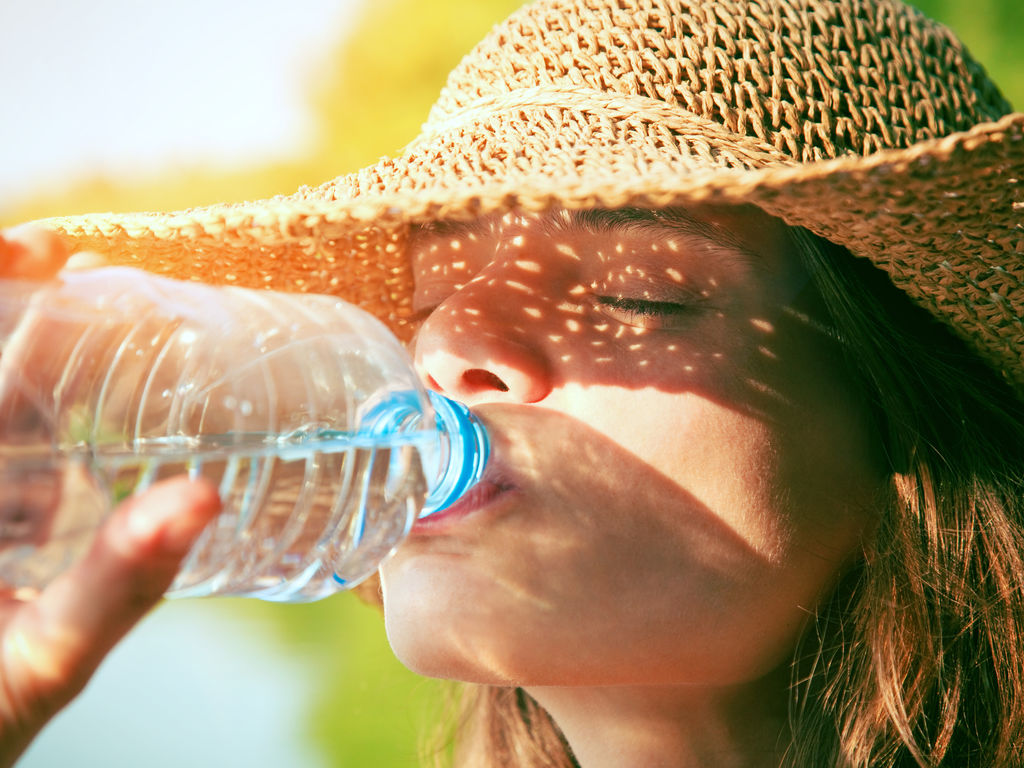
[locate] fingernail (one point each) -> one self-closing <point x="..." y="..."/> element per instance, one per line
<point x="85" y="260"/>
<point x="174" y="511"/>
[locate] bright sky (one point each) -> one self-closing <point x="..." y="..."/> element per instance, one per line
<point x="122" y="85"/>
<point x="192" y="687"/>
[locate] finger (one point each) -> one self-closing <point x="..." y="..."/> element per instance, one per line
<point x="61" y="638"/>
<point x="86" y="260"/>
<point x="31" y="253"/>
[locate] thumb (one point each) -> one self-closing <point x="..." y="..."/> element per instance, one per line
<point x="65" y="633"/>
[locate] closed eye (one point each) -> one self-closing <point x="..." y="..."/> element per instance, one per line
<point x="644" y="313"/>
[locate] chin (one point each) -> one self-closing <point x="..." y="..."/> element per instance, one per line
<point x="447" y="624"/>
<point x="433" y="647"/>
<point x="428" y="617"/>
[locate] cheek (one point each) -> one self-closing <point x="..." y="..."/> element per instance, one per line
<point x="726" y="460"/>
<point x="794" y="493"/>
<point x="831" y="464"/>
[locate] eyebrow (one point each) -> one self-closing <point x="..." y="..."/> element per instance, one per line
<point x="602" y="221"/>
<point x="651" y="221"/>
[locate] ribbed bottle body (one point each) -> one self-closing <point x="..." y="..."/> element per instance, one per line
<point x="113" y="379"/>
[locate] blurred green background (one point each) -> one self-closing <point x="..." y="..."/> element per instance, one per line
<point x="368" y="101"/>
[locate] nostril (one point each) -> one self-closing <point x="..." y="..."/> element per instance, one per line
<point x="478" y="379"/>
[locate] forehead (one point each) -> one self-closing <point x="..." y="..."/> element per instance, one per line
<point x="600" y="235"/>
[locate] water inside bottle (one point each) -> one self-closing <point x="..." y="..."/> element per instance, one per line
<point x="305" y="514"/>
<point x="50" y="508"/>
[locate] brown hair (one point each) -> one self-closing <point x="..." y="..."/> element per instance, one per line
<point x="918" y="658"/>
<point x="921" y="660"/>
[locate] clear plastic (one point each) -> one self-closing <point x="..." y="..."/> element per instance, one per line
<point x="304" y="410"/>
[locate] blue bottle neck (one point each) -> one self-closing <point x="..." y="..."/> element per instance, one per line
<point x="468" y="448"/>
<point x="452" y="465"/>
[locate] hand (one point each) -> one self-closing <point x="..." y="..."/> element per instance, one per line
<point x="52" y="642"/>
<point x="30" y="253"/>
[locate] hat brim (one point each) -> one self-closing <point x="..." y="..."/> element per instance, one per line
<point x="942" y="217"/>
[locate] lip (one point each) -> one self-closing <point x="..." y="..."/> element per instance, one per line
<point x="483" y="495"/>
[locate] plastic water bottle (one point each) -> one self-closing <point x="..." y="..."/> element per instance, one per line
<point x="304" y="410"/>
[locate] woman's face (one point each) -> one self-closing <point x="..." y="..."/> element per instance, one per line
<point x="679" y="471"/>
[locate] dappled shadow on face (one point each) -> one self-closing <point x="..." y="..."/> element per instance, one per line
<point x="712" y="302"/>
<point x="686" y="479"/>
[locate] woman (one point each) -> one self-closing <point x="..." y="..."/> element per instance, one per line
<point x="753" y="501"/>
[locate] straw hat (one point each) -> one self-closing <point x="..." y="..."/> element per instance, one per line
<point x="859" y="119"/>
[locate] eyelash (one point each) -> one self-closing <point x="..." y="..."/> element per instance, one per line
<point x="643" y="313"/>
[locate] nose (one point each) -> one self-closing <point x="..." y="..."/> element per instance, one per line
<point x="471" y="350"/>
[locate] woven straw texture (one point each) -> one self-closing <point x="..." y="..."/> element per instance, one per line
<point x="858" y="119"/>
